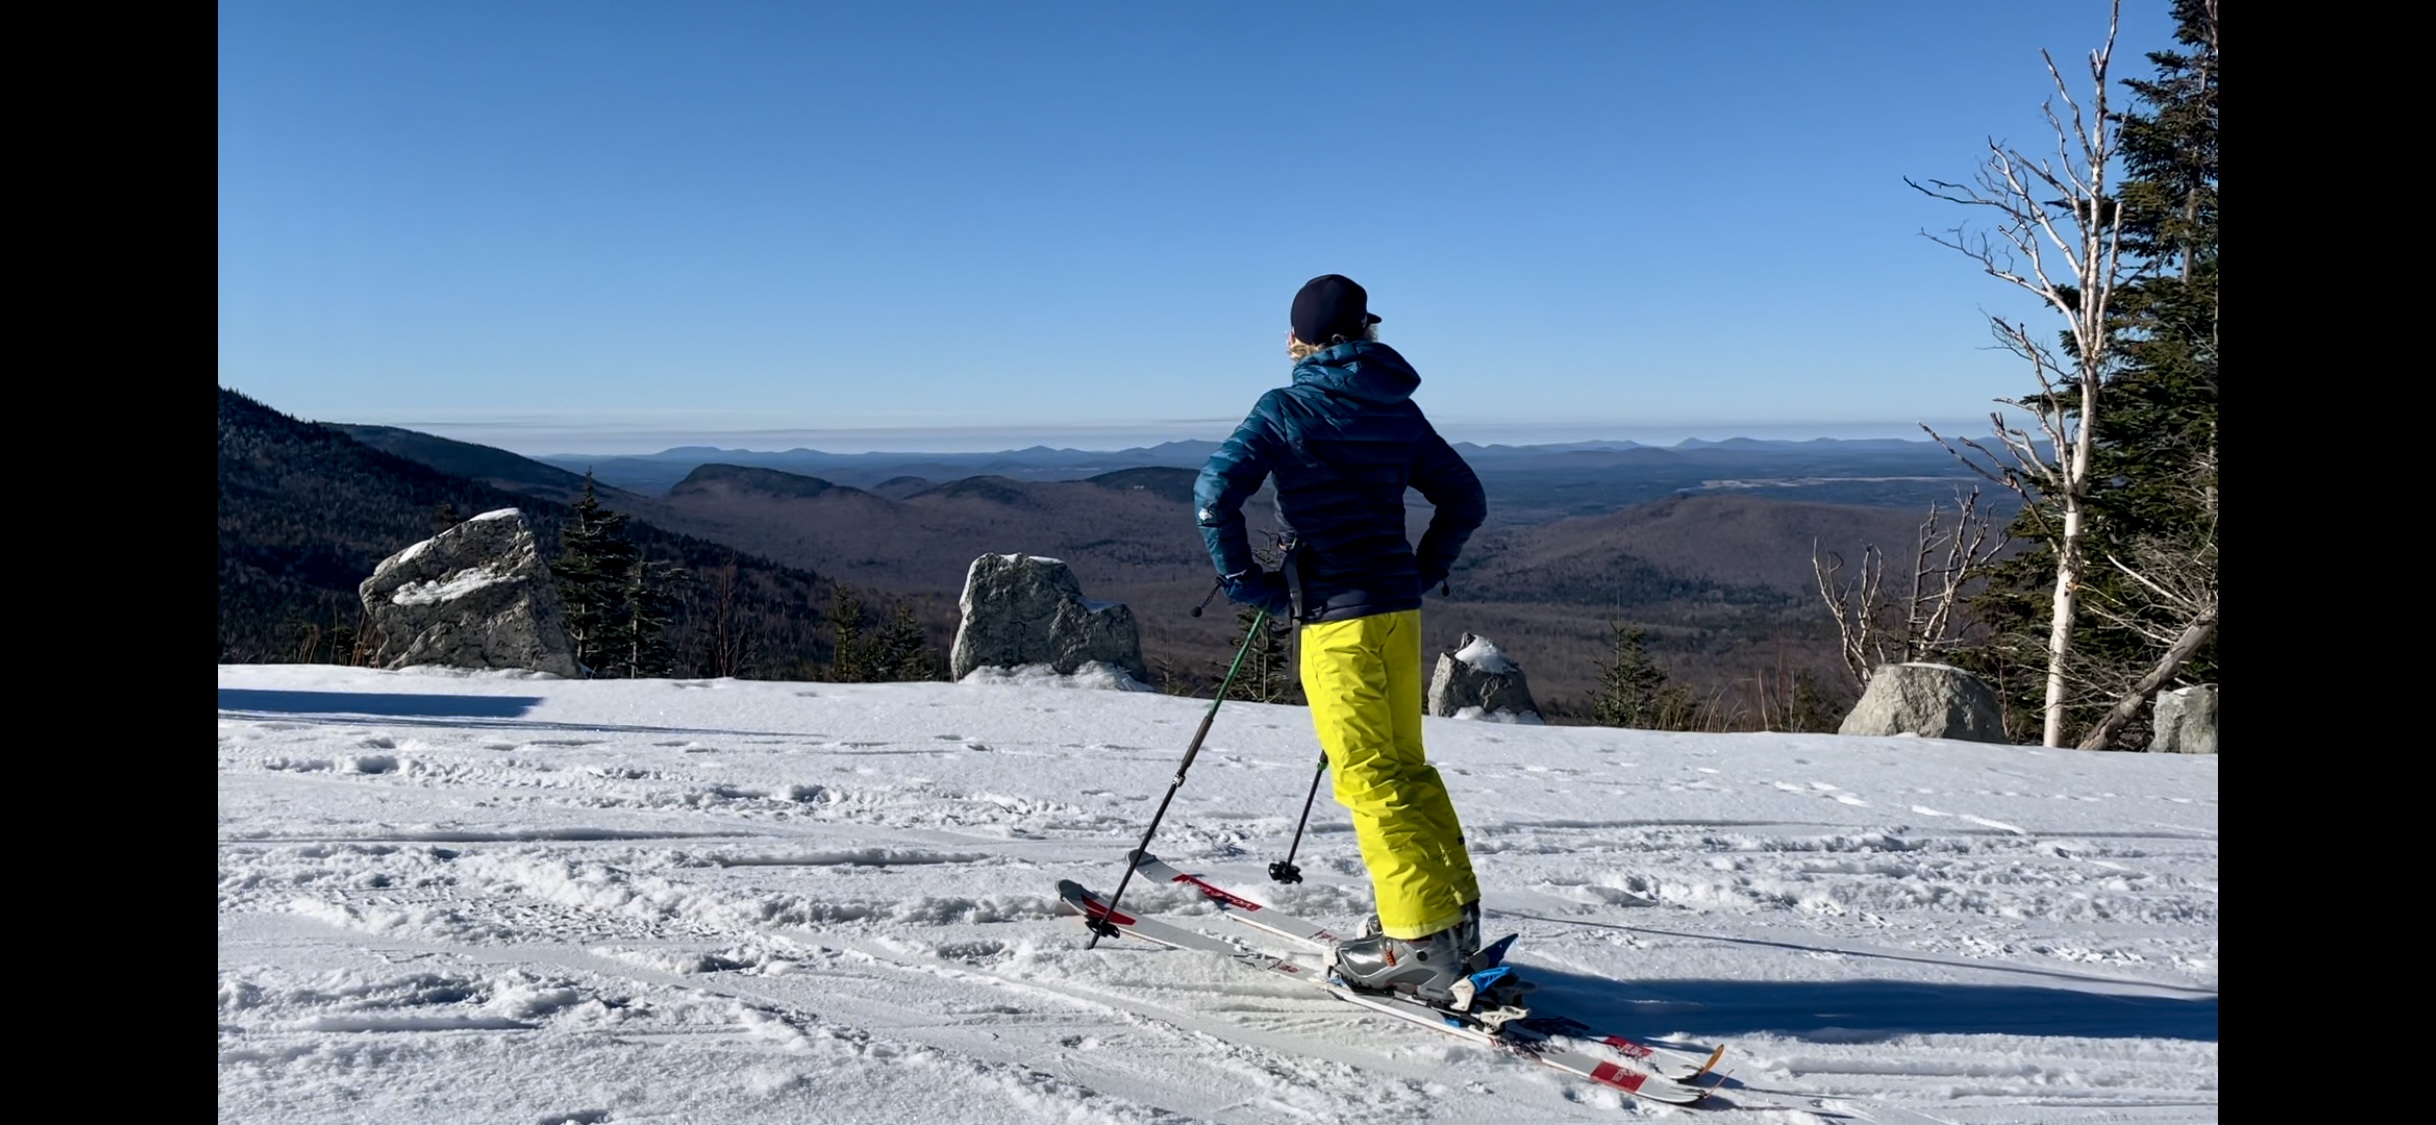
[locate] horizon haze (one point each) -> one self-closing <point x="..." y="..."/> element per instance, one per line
<point x="547" y="439"/>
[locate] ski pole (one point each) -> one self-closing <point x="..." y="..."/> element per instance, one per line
<point x="1284" y="871"/>
<point x="1101" y="927"/>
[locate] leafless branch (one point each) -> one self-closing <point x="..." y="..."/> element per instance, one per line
<point x="2193" y="635"/>
<point x="1857" y="606"/>
<point x="1871" y="628"/>
<point x="2173" y="604"/>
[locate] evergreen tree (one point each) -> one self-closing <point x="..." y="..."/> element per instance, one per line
<point x="849" y="659"/>
<point x="904" y="653"/>
<point x="444" y="517"/>
<point x="596" y="568"/>
<point x="1633" y="690"/>
<point x="863" y="651"/>
<point x="2169" y="151"/>
<point x="1268" y="674"/>
<point x="1171" y="680"/>
<point x="645" y="610"/>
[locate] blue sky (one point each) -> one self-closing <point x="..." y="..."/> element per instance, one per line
<point x="605" y="227"/>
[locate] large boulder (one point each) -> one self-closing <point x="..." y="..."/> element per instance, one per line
<point x="2185" y="721"/>
<point x="1929" y="700"/>
<point x="474" y="596"/>
<point x="1026" y="612"/>
<point x="1479" y="681"/>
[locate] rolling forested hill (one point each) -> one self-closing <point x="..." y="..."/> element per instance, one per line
<point x="306" y="512"/>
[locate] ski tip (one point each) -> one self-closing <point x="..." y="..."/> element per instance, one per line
<point x="1711" y="1064"/>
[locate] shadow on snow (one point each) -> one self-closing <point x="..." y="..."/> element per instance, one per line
<point x="1862" y="1011"/>
<point x="376" y="703"/>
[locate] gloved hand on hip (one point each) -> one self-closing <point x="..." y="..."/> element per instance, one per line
<point x="1260" y="589"/>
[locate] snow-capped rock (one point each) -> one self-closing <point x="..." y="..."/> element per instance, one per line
<point x="474" y="596"/>
<point x="1479" y="680"/>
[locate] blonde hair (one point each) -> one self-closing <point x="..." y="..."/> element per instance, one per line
<point x="1299" y="351"/>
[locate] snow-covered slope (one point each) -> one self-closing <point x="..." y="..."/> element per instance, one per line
<point x="449" y="898"/>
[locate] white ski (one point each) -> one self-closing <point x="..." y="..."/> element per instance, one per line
<point x="1557" y="1051"/>
<point x="1679" y="1065"/>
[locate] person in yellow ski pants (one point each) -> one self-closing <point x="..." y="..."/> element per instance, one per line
<point x="1343" y="442"/>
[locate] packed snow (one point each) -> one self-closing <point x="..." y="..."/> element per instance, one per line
<point x="1501" y="715"/>
<point x="1091" y="674"/>
<point x="496" y="898"/>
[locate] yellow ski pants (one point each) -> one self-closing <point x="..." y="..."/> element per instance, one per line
<point x="1363" y="678"/>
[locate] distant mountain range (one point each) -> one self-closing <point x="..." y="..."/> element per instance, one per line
<point x="655" y="473"/>
<point x="1527" y="483"/>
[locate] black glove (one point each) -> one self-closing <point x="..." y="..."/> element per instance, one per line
<point x="1260" y="589"/>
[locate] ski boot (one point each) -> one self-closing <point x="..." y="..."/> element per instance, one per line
<point x="1448" y="969"/>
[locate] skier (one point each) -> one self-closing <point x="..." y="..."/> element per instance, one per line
<point x="1343" y="441"/>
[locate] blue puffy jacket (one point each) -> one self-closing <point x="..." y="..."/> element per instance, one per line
<point x="1344" y="441"/>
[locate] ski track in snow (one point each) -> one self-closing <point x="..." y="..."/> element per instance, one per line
<point x="502" y="898"/>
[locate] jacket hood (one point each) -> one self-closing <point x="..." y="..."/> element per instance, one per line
<point x="1363" y="369"/>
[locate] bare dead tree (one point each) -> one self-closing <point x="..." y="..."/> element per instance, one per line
<point x="724" y="639"/>
<point x="1945" y="559"/>
<point x="365" y="641"/>
<point x="1859" y="605"/>
<point x="2057" y="237"/>
<point x="1772" y="685"/>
